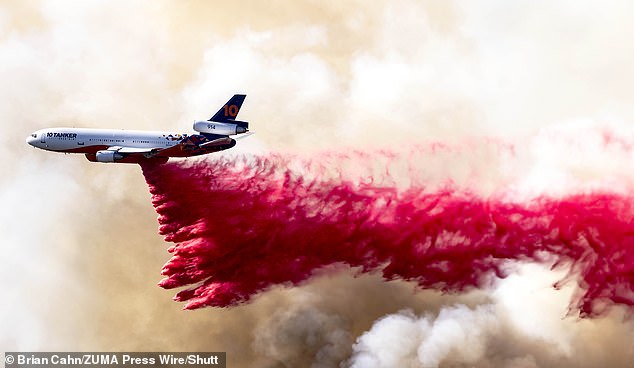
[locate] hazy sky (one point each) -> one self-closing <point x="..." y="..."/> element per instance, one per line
<point x="528" y="93"/>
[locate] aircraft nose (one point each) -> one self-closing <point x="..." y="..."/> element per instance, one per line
<point x="31" y="140"/>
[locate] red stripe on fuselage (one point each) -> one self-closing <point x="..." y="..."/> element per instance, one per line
<point x="86" y="149"/>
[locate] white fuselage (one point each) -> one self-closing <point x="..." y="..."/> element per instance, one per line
<point x="83" y="140"/>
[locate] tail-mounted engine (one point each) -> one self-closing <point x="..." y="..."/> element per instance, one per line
<point x="213" y="127"/>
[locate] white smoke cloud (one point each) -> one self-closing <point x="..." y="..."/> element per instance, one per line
<point x="457" y="336"/>
<point x="524" y="325"/>
<point x="34" y="270"/>
<point x="288" y="96"/>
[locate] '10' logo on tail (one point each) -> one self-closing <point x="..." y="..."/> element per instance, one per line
<point x="231" y="110"/>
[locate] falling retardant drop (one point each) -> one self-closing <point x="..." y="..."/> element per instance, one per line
<point x="242" y="225"/>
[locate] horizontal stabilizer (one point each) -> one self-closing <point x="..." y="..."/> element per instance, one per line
<point x="216" y="142"/>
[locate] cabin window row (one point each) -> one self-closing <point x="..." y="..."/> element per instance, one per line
<point x="123" y="141"/>
<point x="106" y="140"/>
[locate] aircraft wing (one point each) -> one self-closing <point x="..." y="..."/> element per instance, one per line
<point x="216" y="142"/>
<point x="134" y="151"/>
<point x="244" y="135"/>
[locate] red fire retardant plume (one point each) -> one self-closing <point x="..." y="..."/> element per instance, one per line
<point x="240" y="226"/>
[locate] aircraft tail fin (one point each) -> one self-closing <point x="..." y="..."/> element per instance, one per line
<point x="229" y="111"/>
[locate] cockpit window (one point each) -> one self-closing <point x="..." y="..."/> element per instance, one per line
<point x="34" y="135"/>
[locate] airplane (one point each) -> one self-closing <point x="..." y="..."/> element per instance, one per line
<point x="139" y="146"/>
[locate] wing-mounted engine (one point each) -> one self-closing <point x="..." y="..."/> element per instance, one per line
<point x="124" y="158"/>
<point x="108" y="156"/>
<point x="230" y="127"/>
<point x="105" y="156"/>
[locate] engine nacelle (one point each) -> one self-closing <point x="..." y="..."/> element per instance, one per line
<point x="108" y="156"/>
<point x="213" y="127"/>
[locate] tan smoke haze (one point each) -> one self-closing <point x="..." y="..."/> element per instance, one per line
<point x="527" y="89"/>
